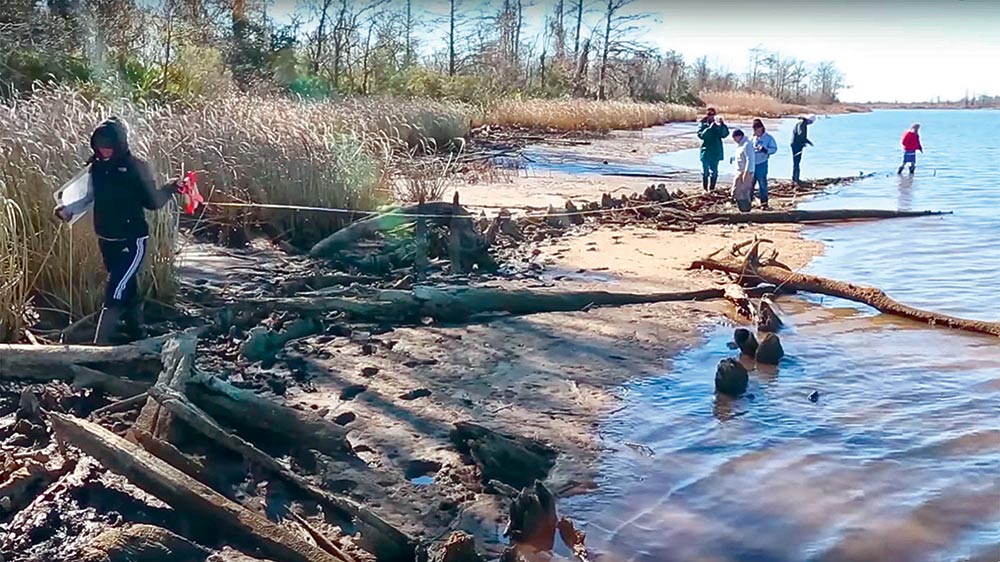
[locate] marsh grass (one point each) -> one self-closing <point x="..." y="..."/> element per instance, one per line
<point x="247" y="150"/>
<point x="584" y="115"/>
<point x="751" y="104"/>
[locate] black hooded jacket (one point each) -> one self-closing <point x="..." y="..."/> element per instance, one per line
<point x="123" y="186"/>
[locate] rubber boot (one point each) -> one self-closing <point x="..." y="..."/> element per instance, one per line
<point x="107" y="325"/>
<point x="764" y="206"/>
<point x="704" y="183"/>
<point x="712" y="182"/>
<point x="912" y="169"/>
<point x="900" y="170"/>
<point x="134" y="328"/>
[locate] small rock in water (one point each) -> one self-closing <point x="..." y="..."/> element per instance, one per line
<point x="746" y="341"/>
<point x="814" y="396"/>
<point x="769" y="350"/>
<point x="731" y="377"/>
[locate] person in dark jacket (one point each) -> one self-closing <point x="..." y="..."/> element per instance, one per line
<point x="711" y="131"/>
<point x="121" y="190"/>
<point x="800" y="139"/>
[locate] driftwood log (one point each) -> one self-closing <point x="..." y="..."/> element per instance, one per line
<point x="177" y="359"/>
<point x="873" y="297"/>
<point x="245" y="410"/>
<point x="381" y="537"/>
<point x="460" y="304"/>
<point x="52" y="362"/>
<point x="85" y="377"/>
<point x="183" y="492"/>
<point x="441" y="213"/>
<point x="766" y="217"/>
<point x="514" y="460"/>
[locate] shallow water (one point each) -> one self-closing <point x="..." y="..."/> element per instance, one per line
<point x="899" y="459"/>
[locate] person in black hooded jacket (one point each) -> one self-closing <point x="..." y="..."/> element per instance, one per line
<point x="121" y="190"/>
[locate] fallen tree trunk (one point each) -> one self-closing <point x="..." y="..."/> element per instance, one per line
<point x="388" y="542"/>
<point x="52" y="362"/>
<point x="85" y="377"/>
<point x="514" y="460"/>
<point x="460" y="304"/>
<point x="873" y="297"/>
<point x="809" y="216"/>
<point x="441" y="213"/>
<point x="244" y="409"/>
<point x="183" y="492"/>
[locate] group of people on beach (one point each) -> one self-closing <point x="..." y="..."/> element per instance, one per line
<point x="753" y="152"/>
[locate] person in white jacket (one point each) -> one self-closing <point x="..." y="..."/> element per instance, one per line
<point x="744" y="179"/>
<point x="764" y="146"/>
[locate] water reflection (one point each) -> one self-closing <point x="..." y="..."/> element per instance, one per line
<point x="905" y="199"/>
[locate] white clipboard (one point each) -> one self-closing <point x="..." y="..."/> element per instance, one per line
<point x="73" y="191"/>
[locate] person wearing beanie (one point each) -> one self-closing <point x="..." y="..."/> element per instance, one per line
<point x="711" y="131"/>
<point x="764" y="146"/>
<point x="911" y="144"/>
<point x="121" y="190"/>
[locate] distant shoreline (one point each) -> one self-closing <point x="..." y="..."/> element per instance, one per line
<point x="926" y="105"/>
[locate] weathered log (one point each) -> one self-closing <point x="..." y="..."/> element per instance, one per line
<point x="170" y="454"/>
<point x="120" y="406"/>
<point x="183" y="492"/>
<point x="460" y="304"/>
<point x="872" y="296"/>
<point x="533" y="518"/>
<point x="141" y="543"/>
<point x="513" y="460"/>
<point x="799" y="216"/>
<point x="263" y="343"/>
<point x="177" y="359"/>
<point x="52" y="362"/>
<point x="244" y="409"/>
<point x="85" y="377"/>
<point x="440" y="212"/>
<point x="388" y="542"/>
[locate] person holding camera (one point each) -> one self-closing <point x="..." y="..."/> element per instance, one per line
<point x="764" y="146"/>
<point x="711" y="131"/>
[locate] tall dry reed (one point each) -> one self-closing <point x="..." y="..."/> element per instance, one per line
<point x="751" y="104"/>
<point x="585" y="115"/>
<point x="248" y="150"/>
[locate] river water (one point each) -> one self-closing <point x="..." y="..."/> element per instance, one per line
<point x="899" y="458"/>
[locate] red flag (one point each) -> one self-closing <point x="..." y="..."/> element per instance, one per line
<point x="189" y="189"/>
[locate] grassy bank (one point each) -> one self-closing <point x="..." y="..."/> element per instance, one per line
<point x="260" y="150"/>
<point x="584" y="115"/>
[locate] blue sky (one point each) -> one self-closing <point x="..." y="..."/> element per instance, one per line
<point x="889" y="50"/>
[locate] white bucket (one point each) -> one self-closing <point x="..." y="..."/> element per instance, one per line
<point x="73" y="191"/>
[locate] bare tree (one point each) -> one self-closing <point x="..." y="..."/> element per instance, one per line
<point x="579" y="27"/>
<point x="451" y="37"/>
<point x="619" y="28"/>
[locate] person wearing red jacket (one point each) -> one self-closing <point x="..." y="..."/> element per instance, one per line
<point x="911" y="144"/>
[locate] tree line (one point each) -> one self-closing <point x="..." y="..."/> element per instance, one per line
<point x="485" y="50"/>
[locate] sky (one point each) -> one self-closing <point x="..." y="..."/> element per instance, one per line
<point x="888" y="50"/>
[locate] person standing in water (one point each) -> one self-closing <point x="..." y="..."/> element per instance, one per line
<point x="744" y="167"/>
<point x="764" y="146"/>
<point x="121" y="189"/>
<point x="911" y="144"/>
<point x="800" y="139"/>
<point x="711" y="131"/>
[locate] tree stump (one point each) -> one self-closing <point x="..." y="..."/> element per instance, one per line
<point x="769" y="351"/>
<point x="731" y="377"/>
<point x="533" y="518"/>
<point x="460" y="547"/>
<point x="746" y="341"/>
<point x="141" y="543"/>
<point x="513" y="460"/>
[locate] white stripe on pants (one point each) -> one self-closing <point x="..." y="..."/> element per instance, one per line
<point x="140" y="251"/>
